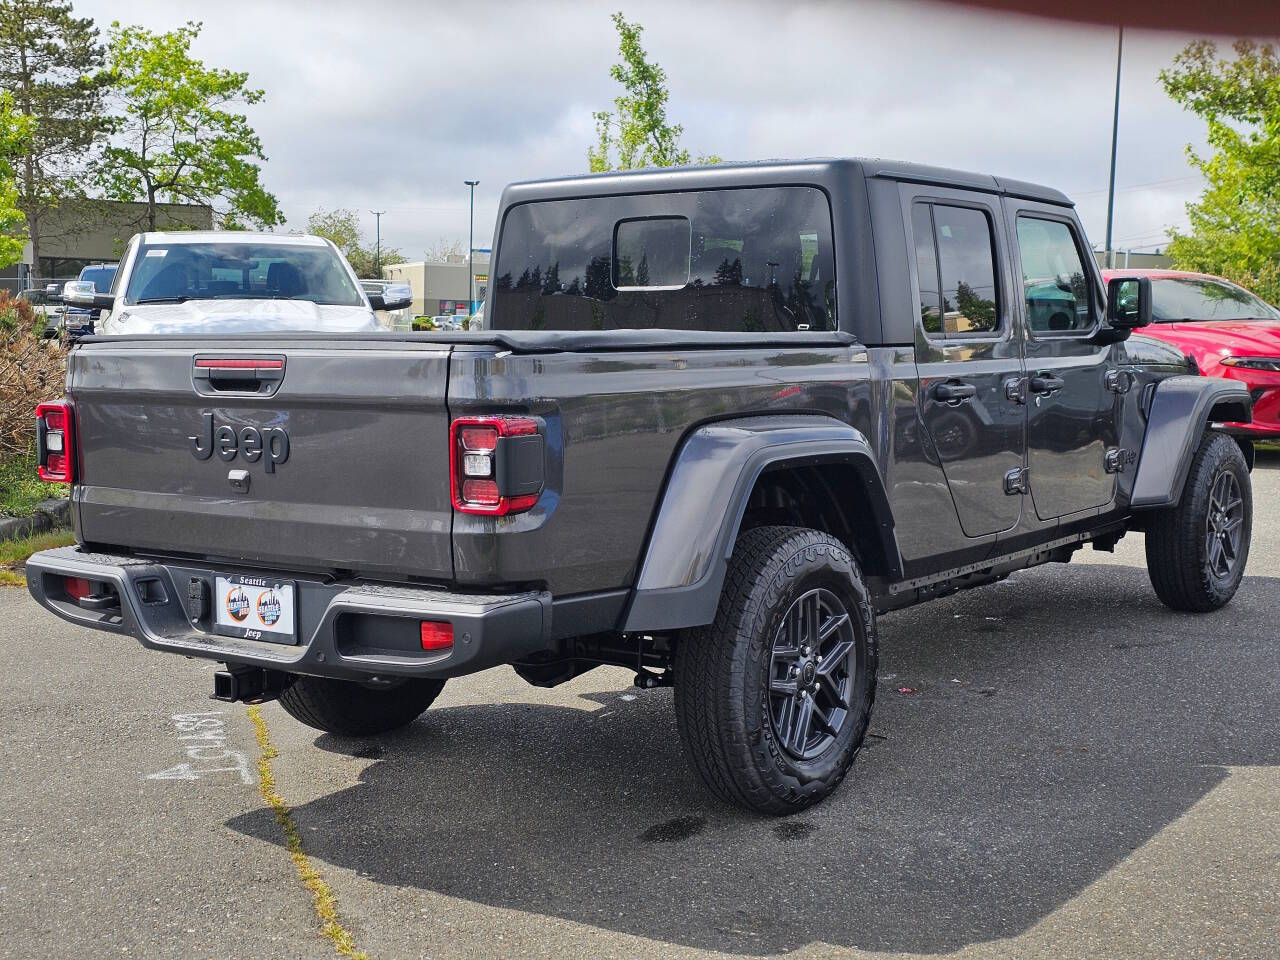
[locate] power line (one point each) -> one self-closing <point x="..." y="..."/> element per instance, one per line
<point x="1132" y="186"/>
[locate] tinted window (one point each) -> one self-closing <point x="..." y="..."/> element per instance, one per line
<point x="955" y="257"/>
<point x="725" y="260"/>
<point x="240" y="271"/>
<point x="1054" y="280"/>
<point x="927" y="267"/>
<point x="966" y="262"/>
<point x="1190" y="298"/>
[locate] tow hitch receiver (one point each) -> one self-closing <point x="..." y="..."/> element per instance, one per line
<point x="240" y="684"/>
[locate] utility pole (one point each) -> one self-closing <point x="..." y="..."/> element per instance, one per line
<point x="1115" y="132"/>
<point x="471" y="250"/>
<point x="377" y="246"/>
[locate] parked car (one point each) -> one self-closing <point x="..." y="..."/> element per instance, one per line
<point x="192" y="282"/>
<point x="47" y="302"/>
<point x="1228" y="332"/>
<point x="99" y="277"/>
<point x="677" y="449"/>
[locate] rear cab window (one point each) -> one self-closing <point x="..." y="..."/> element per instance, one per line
<point x="736" y="260"/>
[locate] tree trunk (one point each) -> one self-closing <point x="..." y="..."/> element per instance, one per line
<point x="151" y="211"/>
<point x="33" y="231"/>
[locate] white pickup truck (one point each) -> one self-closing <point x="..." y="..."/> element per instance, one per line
<point x="223" y="282"/>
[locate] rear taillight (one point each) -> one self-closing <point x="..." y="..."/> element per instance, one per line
<point x="495" y="464"/>
<point x="436" y="635"/>
<point x="55" y="443"/>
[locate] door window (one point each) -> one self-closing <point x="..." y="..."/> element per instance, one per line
<point x="1054" y="280"/>
<point x="958" y="289"/>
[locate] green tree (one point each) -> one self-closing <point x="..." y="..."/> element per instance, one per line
<point x="637" y="132"/>
<point x="16" y="131"/>
<point x="343" y="228"/>
<point x="179" y="138"/>
<point x="50" y="61"/>
<point x="1235" y="225"/>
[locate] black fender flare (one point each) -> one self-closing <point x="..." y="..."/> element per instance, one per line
<point x="1179" y="411"/>
<point x="687" y="555"/>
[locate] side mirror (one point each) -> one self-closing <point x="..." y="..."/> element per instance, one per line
<point x="80" y="293"/>
<point x="1128" y="302"/>
<point x="395" y="296"/>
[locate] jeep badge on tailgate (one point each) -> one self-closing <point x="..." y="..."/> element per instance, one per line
<point x="271" y="445"/>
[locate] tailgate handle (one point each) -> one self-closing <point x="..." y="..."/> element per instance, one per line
<point x="238" y="374"/>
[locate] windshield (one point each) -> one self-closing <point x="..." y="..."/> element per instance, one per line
<point x="167" y="273"/>
<point x="100" y="277"/>
<point x="1195" y="298"/>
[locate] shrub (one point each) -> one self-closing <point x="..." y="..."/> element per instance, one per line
<point x="423" y="323"/>
<point x="32" y="370"/>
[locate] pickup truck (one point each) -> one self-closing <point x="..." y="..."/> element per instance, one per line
<point x="225" y="282"/>
<point x="721" y="419"/>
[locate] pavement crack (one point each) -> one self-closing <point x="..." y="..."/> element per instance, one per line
<point x="323" y="899"/>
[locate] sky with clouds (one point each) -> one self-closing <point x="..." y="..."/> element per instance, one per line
<point x="391" y="105"/>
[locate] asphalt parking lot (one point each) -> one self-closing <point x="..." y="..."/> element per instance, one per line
<point x="1058" y="767"/>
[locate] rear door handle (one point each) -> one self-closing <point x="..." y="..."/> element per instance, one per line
<point x="954" y="393"/>
<point x="1046" y="383"/>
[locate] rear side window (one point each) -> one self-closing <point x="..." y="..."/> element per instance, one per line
<point x="955" y="259"/>
<point x="739" y="260"/>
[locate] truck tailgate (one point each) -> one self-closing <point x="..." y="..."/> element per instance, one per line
<point x="339" y="460"/>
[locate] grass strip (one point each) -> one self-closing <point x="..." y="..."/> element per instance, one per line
<point x="20" y="488"/>
<point x="14" y="553"/>
<point x="326" y="906"/>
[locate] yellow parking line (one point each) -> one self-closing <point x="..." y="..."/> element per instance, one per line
<point x="322" y="894"/>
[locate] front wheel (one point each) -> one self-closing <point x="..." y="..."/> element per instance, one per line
<point x="350" y="708"/>
<point x="774" y="697"/>
<point x="1196" y="551"/>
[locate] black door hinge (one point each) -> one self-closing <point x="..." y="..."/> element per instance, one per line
<point x="1119" y="381"/>
<point x="1117" y="458"/>
<point x="1017" y="481"/>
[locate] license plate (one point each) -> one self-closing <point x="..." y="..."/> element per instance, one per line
<point x="255" y="608"/>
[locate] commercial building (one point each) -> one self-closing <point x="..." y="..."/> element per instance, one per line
<point x="80" y="232"/>
<point x="440" y="287"/>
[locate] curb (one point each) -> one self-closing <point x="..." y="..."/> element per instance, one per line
<point x="49" y="515"/>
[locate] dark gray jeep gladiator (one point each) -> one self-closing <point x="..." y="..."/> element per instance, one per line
<point x="723" y="418"/>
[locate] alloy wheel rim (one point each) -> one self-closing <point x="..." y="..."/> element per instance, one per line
<point x="1224" y="526"/>
<point x="811" y="674"/>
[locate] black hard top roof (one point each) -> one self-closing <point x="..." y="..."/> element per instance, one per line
<point x="824" y="171"/>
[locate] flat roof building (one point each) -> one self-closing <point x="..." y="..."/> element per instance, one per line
<point x="440" y="286"/>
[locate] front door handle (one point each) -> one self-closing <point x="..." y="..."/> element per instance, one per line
<point x="954" y="393"/>
<point x="1046" y="383"/>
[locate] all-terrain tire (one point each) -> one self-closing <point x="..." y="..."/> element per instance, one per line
<point x="724" y="672"/>
<point x="353" y="709"/>
<point x="1186" y="570"/>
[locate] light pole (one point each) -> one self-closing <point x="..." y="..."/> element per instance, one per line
<point x="1115" y="131"/>
<point x="377" y="248"/>
<point x="471" y="250"/>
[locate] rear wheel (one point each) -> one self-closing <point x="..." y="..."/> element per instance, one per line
<point x="774" y="697"/>
<point x="354" y="709"/>
<point x="1196" y="551"/>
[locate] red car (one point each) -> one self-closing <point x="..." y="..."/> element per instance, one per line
<point x="1227" y="331"/>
